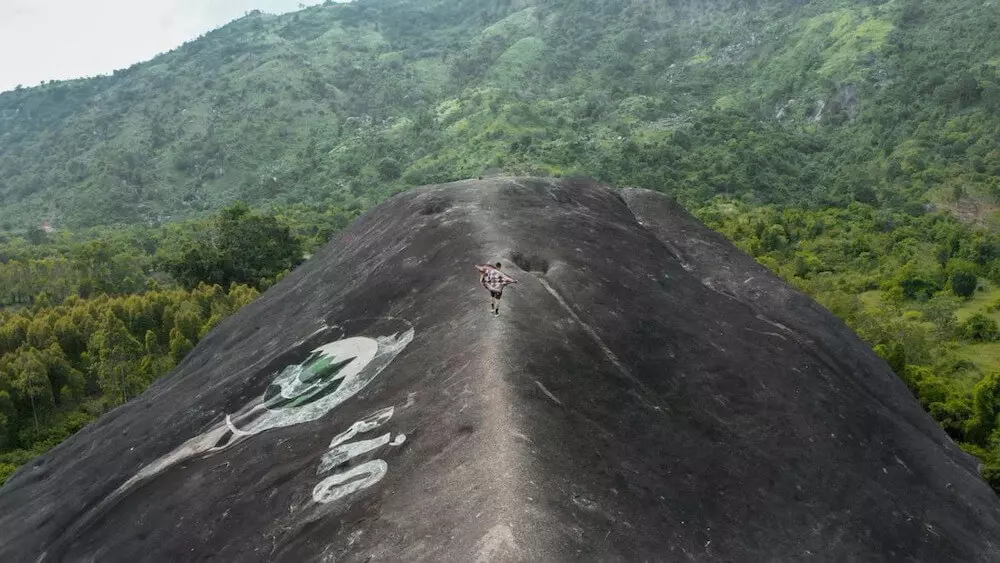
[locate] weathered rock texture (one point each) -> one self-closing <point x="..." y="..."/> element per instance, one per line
<point x="648" y="393"/>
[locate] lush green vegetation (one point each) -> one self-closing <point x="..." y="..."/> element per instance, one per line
<point x="852" y="147"/>
<point x="92" y="319"/>
<point x="817" y="103"/>
<point x="62" y="366"/>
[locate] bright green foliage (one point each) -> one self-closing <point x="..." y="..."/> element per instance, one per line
<point x="150" y="343"/>
<point x="133" y="259"/>
<point x="980" y="328"/>
<point x="180" y="345"/>
<point x="115" y="354"/>
<point x="816" y="103"/>
<point x="241" y="295"/>
<point x="987" y="409"/>
<point x="962" y="278"/>
<point x="62" y="366"/>
<point x="6" y="470"/>
<point x="940" y="310"/>
<point x="894" y="354"/>
<point x="187" y="321"/>
<point x="105" y="269"/>
<point x="240" y="246"/>
<point x="66" y="359"/>
<point x="29" y="379"/>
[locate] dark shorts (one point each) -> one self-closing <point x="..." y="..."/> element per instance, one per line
<point x="496" y="294"/>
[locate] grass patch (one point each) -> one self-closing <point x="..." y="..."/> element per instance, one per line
<point x="518" y="22"/>
<point x="724" y="103"/>
<point x="699" y="59"/>
<point x="852" y="42"/>
<point x="985" y="356"/>
<point x="978" y="303"/>
<point x="519" y="61"/>
<point x="871" y="299"/>
<point x="431" y="72"/>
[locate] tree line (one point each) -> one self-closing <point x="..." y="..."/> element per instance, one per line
<point x="88" y="321"/>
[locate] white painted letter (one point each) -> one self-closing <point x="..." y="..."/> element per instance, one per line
<point x="334" y="487"/>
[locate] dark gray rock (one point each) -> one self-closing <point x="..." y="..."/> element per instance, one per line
<point x="647" y="393"/>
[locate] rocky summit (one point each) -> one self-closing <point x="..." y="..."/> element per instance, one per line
<point x="647" y="392"/>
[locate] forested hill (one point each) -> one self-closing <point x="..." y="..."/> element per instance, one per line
<point x="784" y="101"/>
<point x="827" y="126"/>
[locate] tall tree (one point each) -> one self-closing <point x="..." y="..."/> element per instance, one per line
<point x="117" y="354"/>
<point x="31" y="380"/>
<point x="240" y="247"/>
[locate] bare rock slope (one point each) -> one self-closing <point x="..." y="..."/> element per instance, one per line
<point x="647" y="393"/>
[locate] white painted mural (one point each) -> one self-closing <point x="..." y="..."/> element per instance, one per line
<point x="341" y="484"/>
<point x="300" y="393"/>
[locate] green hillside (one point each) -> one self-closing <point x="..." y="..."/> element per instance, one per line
<point x="780" y="101"/>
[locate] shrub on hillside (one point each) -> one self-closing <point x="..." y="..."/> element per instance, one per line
<point x="962" y="278"/>
<point x="980" y="328"/>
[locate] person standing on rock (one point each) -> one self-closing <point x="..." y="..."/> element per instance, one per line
<point x="494" y="281"/>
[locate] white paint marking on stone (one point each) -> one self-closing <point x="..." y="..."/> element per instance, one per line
<point x="233" y="429"/>
<point x="367" y="363"/>
<point x="371" y="422"/>
<point x="340" y="454"/>
<point x="362" y="353"/>
<point x="340" y="485"/>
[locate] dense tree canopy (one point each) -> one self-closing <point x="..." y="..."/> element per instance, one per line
<point x="63" y="365"/>
<point x="89" y="320"/>
<point x="780" y="101"/>
<point x="240" y="246"/>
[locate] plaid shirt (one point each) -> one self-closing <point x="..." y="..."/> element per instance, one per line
<point x="493" y="279"/>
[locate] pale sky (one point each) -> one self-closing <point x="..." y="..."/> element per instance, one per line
<point x="62" y="39"/>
